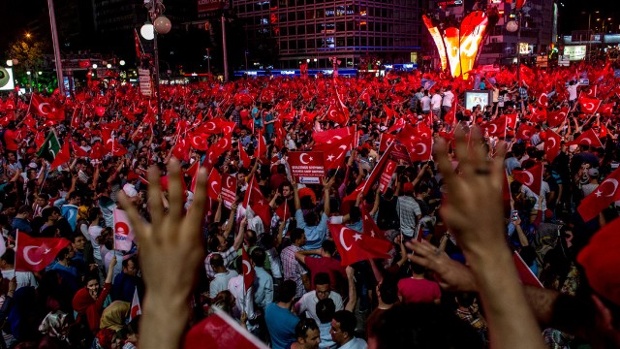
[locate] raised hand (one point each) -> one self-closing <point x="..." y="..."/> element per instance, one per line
<point x="170" y="250"/>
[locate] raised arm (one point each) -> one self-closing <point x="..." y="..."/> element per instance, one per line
<point x="350" y="306"/>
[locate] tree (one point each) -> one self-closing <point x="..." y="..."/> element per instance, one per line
<point x="28" y="53"/>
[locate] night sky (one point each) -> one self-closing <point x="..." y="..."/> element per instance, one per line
<point x="573" y="15"/>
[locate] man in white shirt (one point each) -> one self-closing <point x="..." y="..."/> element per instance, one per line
<point x="322" y="290"/>
<point x="448" y="99"/>
<point x="425" y="103"/>
<point x="23" y="278"/>
<point x="436" y="101"/>
<point x="222" y="276"/>
<point x="343" y="331"/>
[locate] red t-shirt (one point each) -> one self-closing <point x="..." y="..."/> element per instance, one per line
<point x="418" y="290"/>
<point x="327" y="265"/>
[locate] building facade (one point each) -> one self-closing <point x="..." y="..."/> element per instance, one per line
<point x="358" y="33"/>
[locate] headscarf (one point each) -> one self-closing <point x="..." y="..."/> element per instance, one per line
<point x="114" y="316"/>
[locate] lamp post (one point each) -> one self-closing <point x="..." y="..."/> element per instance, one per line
<point x="515" y="26"/>
<point x="161" y="25"/>
<point x="56" y="45"/>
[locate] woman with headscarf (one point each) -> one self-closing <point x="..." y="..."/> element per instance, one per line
<point x="114" y="315"/>
<point x="88" y="301"/>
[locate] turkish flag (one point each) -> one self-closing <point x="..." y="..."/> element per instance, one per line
<point x="135" y="309"/>
<point x="78" y="151"/>
<point x="220" y="331"/>
<point x="34" y="254"/>
<point x="255" y="199"/>
<point x="421" y="149"/>
<point x="386" y="140"/>
<point x="511" y="120"/>
<point x="588" y="138"/>
<point x="398" y="124"/>
<point x="181" y="149"/>
<point x="96" y="152"/>
<point x="248" y="271"/>
<point x="496" y="128"/>
<point x="229" y="190"/>
<point x="354" y="246"/>
<point x="63" y="156"/>
<point x="331" y="136"/>
<point x="607" y="109"/>
<point x="198" y="141"/>
<point x="215" y="184"/>
<point x="525" y="132"/>
<point x="525" y="273"/>
<point x="556" y="118"/>
<point x="335" y="153"/>
<point x="605" y="194"/>
<point x="225" y="126"/>
<point x="531" y="177"/>
<point x="243" y="155"/>
<point x="47" y="108"/>
<point x="589" y="105"/>
<point x="590" y="92"/>
<point x="552" y="145"/>
<point x="370" y="227"/>
<point x="123" y="233"/>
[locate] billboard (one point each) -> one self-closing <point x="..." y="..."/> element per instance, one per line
<point x="205" y="6"/>
<point x="477" y="97"/>
<point x="6" y="79"/>
<point x="575" y="53"/>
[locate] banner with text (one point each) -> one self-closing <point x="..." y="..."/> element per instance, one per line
<point x="386" y="175"/>
<point x="307" y="167"/>
<point x="229" y="190"/>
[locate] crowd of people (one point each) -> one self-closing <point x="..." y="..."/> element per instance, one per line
<point x="463" y="226"/>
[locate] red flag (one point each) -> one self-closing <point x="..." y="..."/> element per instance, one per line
<point x="552" y="145"/>
<point x="78" y="151"/>
<point x="47" y="108"/>
<point x="248" y="271"/>
<point x="374" y="175"/>
<point x="543" y="100"/>
<point x="354" y="247"/>
<point x="531" y="177"/>
<point x="135" y="309"/>
<point x="556" y="118"/>
<point x="526" y="275"/>
<point x="334" y="153"/>
<point x="243" y="155"/>
<point x="604" y="195"/>
<point x="215" y="184"/>
<point x="511" y="120"/>
<point x="34" y="254"/>
<point x="255" y="199"/>
<point x="138" y="45"/>
<point x="496" y="128"/>
<point x="63" y="156"/>
<point x="96" y="152"/>
<point x="220" y="331"/>
<point x="370" y="227"/>
<point x="588" y="138"/>
<point x="589" y="105"/>
<point x="607" y="109"/>
<point x="525" y="132"/>
<point x="330" y="136"/>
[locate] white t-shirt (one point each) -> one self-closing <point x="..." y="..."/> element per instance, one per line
<point x="448" y="98"/>
<point x="436" y="101"/>
<point x="23" y="278"/>
<point x="94" y="231"/>
<point x="425" y="102"/>
<point x="309" y="301"/>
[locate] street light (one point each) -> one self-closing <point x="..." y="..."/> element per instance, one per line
<point x="122" y="62"/>
<point x="95" y="66"/>
<point x="109" y="66"/>
<point x="161" y="25"/>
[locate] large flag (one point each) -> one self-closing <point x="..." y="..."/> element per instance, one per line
<point x="354" y="246"/>
<point x="531" y="177"/>
<point x="63" y="156"/>
<point x="34" y="254"/>
<point x="589" y="105"/>
<point x="605" y="194"/>
<point x="220" y="331"/>
<point x="248" y="271"/>
<point x="589" y="138"/>
<point x="135" y="309"/>
<point x="552" y="145"/>
<point x="123" y="234"/>
<point x="50" y="147"/>
<point x="214" y="189"/>
<point x="370" y="226"/>
<point x="335" y="153"/>
<point x="45" y="108"/>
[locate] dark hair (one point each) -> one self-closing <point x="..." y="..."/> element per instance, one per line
<point x="329" y="246"/>
<point x="325" y="310"/>
<point x="417" y="269"/>
<point x="321" y="279"/>
<point x="93" y="213"/>
<point x="258" y="256"/>
<point x="216" y="260"/>
<point x="288" y="289"/>
<point x="297" y="234"/>
<point x="355" y="214"/>
<point x="347" y="321"/>
<point x="24" y="209"/>
<point x="301" y="330"/>
<point x="134" y="259"/>
<point x="388" y="290"/>
<point x="433" y="327"/>
<point x="47" y="212"/>
<point x="9" y="256"/>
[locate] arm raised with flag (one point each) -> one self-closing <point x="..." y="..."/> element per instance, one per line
<point x="170" y="242"/>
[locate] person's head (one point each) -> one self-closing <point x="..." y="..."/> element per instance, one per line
<point x="74" y="198"/>
<point x="41" y="200"/>
<point x="343" y="327"/>
<point x="24" y="212"/>
<point x="321" y="285"/>
<point x="298" y="237"/>
<point x="217" y="262"/>
<point x="50" y="214"/>
<point x="286" y="189"/>
<point x="92" y="285"/>
<point x="258" y="256"/>
<point x="325" y="310"/>
<point x="288" y="289"/>
<point x="78" y="242"/>
<point x="66" y="253"/>
<point x="217" y="243"/>
<point x="308" y="334"/>
<point x="387" y="290"/>
<point x="328" y="248"/>
<point x="8" y="258"/>
<point x="417" y="269"/>
<point x="432" y="327"/>
<point x="94" y="213"/>
<point x="130" y="266"/>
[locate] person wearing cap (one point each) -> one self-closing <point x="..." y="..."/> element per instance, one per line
<point x="592" y="182"/>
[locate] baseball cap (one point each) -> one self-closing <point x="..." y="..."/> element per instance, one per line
<point x="593" y="173"/>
